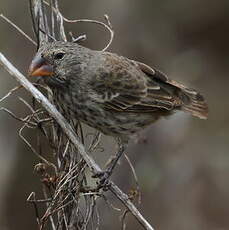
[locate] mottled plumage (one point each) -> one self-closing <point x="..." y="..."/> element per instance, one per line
<point x="113" y="94"/>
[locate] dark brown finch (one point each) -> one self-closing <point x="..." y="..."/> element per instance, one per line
<point x="113" y="94"/>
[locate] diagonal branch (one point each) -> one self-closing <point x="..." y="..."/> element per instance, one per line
<point x="67" y="129"/>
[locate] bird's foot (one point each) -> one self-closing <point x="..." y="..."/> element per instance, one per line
<point x="103" y="182"/>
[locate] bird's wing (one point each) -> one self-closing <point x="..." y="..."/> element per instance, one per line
<point x="124" y="85"/>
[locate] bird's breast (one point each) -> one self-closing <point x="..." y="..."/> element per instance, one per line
<point x="114" y="123"/>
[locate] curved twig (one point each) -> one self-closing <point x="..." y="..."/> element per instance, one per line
<point x="98" y="23"/>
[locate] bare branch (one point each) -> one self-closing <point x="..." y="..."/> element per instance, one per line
<point x="18" y="29"/>
<point x="10" y="92"/>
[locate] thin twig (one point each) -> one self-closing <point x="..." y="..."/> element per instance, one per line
<point x="79" y="38"/>
<point x="18" y="29"/>
<point x="95" y="22"/>
<point x="95" y="142"/>
<point x="10" y="92"/>
<point x="135" y="177"/>
<point x="110" y="205"/>
<point x="25" y="120"/>
<point x="30" y="199"/>
<point x="123" y="218"/>
<point x="31" y="147"/>
<point x="33" y="200"/>
<point x="50" y="217"/>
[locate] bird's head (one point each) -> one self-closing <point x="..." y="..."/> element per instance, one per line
<point x="56" y="62"/>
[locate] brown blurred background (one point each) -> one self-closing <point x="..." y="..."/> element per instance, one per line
<point x="182" y="162"/>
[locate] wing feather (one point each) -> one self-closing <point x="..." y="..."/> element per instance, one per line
<point x="127" y="85"/>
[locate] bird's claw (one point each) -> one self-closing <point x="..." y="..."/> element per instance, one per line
<point x="103" y="182"/>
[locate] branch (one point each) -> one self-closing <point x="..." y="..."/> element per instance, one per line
<point x="67" y="129"/>
<point x="18" y="29"/>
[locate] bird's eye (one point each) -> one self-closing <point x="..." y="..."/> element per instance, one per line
<point x="59" y="56"/>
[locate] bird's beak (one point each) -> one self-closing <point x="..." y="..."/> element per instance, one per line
<point x="40" y="67"/>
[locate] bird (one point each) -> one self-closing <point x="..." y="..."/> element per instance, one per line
<point x="111" y="93"/>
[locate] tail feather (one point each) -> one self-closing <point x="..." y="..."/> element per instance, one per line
<point x="181" y="97"/>
<point x="194" y="103"/>
<point x="191" y="101"/>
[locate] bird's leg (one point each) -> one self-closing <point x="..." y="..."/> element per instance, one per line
<point x="114" y="159"/>
<point x="104" y="175"/>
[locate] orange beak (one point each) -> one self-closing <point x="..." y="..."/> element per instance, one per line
<point x="40" y="67"/>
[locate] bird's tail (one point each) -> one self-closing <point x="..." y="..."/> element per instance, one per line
<point x="189" y="99"/>
<point x="193" y="102"/>
<point x="185" y="99"/>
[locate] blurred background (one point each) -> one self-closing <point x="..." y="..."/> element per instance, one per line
<point x="182" y="162"/>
